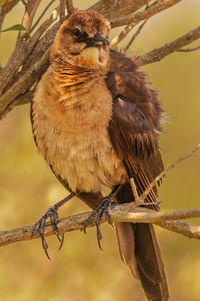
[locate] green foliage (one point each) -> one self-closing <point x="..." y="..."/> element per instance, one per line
<point x="16" y="27"/>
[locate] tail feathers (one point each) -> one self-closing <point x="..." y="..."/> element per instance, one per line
<point x="139" y="249"/>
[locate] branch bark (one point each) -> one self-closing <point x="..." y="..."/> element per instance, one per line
<point x="27" y="56"/>
<point x="119" y="213"/>
<point x="146" y="14"/>
<point x="159" y="53"/>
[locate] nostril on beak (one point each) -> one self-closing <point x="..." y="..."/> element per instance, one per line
<point x="101" y="39"/>
<point x="97" y="40"/>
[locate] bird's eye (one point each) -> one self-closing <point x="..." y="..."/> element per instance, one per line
<point x="76" y="32"/>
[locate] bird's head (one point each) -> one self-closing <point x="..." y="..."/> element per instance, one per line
<point x="82" y="41"/>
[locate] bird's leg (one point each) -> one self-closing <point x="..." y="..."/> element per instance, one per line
<point x="97" y="213"/>
<point x="51" y="213"/>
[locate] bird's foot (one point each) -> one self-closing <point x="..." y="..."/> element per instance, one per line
<point x="52" y="214"/>
<point x="97" y="213"/>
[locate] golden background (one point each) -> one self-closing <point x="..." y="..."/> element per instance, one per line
<point x="80" y="271"/>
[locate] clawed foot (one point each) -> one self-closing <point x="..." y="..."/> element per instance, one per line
<point x="104" y="207"/>
<point x="40" y="225"/>
<point x="53" y="215"/>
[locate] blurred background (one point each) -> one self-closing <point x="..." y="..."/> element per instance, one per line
<point x="80" y="271"/>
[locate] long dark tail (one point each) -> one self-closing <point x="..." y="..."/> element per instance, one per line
<point x="140" y="250"/>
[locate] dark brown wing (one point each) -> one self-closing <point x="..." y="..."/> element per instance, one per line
<point x="133" y="133"/>
<point x="136" y="143"/>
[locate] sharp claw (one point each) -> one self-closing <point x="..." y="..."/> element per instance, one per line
<point x="47" y="254"/>
<point x="40" y="225"/>
<point x="98" y="212"/>
<point x="61" y="242"/>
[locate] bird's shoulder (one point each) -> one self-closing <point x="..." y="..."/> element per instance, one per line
<point x="126" y="81"/>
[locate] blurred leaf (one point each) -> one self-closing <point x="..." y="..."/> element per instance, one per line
<point x="16" y="27"/>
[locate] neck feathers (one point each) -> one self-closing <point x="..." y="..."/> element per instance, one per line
<point x="70" y="76"/>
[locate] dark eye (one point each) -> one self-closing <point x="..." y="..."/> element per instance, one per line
<point x="77" y="33"/>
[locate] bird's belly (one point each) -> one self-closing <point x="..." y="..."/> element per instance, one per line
<point x="85" y="161"/>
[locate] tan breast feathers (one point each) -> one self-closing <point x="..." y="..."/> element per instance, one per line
<point x="70" y="127"/>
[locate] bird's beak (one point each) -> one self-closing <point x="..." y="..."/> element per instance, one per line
<point x="97" y="41"/>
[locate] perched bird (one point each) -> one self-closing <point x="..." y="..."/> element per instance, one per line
<point x="96" y="122"/>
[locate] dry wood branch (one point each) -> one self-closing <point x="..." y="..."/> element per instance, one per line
<point x="30" y="51"/>
<point x="134" y="189"/>
<point x="138" y="31"/>
<point x="113" y="9"/>
<point x="119" y="213"/>
<point x="21" y="100"/>
<point x="42" y="15"/>
<point x="189" y="49"/>
<point x="70" y="7"/>
<point x="29" y="14"/>
<point x="5" y="9"/>
<point x="24" y="83"/>
<point x="165" y="171"/>
<point x="146" y="14"/>
<point x="62" y="11"/>
<point x="122" y="35"/>
<point x="159" y="53"/>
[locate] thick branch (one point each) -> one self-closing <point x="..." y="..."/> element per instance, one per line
<point x="24" y="83"/>
<point x="119" y="213"/>
<point x="146" y="14"/>
<point x="113" y="9"/>
<point x="159" y="53"/>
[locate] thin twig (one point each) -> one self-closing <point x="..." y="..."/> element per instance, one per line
<point x="116" y="40"/>
<point x="138" y="31"/>
<point x="165" y="171"/>
<point x="159" y="53"/>
<point x="30" y="11"/>
<point x="62" y="11"/>
<point x="42" y="15"/>
<point x="134" y="189"/>
<point x="70" y="7"/>
<point x="126" y="31"/>
<point x="189" y="49"/>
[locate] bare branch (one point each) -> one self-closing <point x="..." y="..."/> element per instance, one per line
<point x="70" y="7"/>
<point x="138" y="31"/>
<point x="125" y="32"/>
<point x="134" y="189"/>
<point x="116" y="40"/>
<point x="29" y="14"/>
<point x="180" y="227"/>
<point x="159" y="53"/>
<point x="189" y="49"/>
<point x="24" y="83"/>
<point x="118" y="213"/>
<point x="21" y="100"/>
<point x="62" y="11"/>
<point x="146" y="14"/>
<point x="165" y="171"/>
<point x="42" y="15"/>
<point x="113" y="9"/>
<point x="5" y="9"/>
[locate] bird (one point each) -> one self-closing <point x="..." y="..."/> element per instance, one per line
<point x="97" y="122"/>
